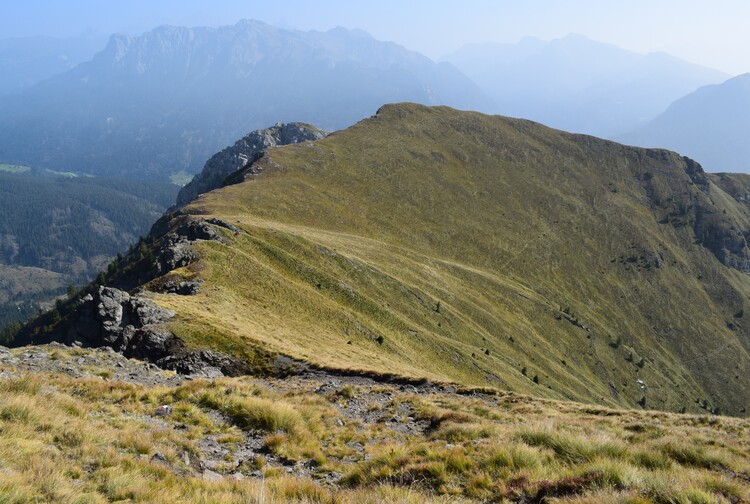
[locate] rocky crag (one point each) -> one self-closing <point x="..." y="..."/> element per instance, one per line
<point x="131" y="323"/>
<point x="242" y="154"/>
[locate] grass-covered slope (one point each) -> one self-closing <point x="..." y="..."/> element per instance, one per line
<point x="489" y="251"/>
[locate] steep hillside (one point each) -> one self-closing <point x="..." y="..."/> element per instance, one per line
<point x="165" y="101"/>
<point x="454" y="246"/>
<point x="578" y="84"/>
<point x="711" y="125"/>
<point x="57" y="231"/>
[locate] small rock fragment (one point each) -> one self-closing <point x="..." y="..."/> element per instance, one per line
<point x="164" y="410"/>
<point x="209" y="475"/>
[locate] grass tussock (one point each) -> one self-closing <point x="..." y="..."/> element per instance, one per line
<point x="573" y="449"/>
<point x="84" y="440"/>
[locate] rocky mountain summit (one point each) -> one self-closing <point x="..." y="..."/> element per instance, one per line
<point x="242" y="154"/>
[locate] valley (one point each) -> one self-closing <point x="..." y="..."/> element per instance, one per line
<point x="59" y="231"/>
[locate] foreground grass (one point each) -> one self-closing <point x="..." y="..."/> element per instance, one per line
<point x="66" y="439"/>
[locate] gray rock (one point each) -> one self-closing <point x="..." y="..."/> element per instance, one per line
<point x="159" y="458"/>
<point x="175" y="250"/>
<point x="225" y="225"/>
<point x="205" y="363"/>
<point x="182" y="288"/>
<point x="176" y="253"/>
<point x="209" y="475"/>
<point x="129" y="324"/>
<point x="243" y="154"/>
<point x="164" y="410"/>
<point x="134" y="326"/>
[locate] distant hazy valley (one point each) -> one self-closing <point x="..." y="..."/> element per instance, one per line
<point x="58" y="230"/>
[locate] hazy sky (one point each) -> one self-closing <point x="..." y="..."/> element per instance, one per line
<point x="714" y="33"/>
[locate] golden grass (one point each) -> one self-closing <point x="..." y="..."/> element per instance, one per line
<point x="85" y="440"/>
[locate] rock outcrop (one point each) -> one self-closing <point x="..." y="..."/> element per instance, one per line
<point x="175" y="251"/>
<point x="242" y="154"/>
<point x="695" y="207"/>
<point x="132" y="325"/>
<point x="136" y="327"/>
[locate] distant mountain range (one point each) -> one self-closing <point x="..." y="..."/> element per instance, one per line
<point x="161" y="103"/>
<point x="165" y="101"/>
<point x="711" y="125"/>
<point x="24" y="61"/>
<point x="577" y="84"/>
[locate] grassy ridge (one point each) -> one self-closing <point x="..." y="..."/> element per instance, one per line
<point x="484" y="250"/>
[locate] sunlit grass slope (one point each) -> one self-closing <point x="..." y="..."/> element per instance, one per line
<point x="485" y="250"/>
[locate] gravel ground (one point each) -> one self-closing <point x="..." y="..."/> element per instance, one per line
<point x="361" y="401"/>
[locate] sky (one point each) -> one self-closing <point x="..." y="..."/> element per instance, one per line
<point x="713" y="33"/>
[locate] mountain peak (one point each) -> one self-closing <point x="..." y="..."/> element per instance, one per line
<point x="356" y="33"/>
<point x="253" y="24"/>
<point x="242" y="154"/>
<point x="164" y="102"/>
